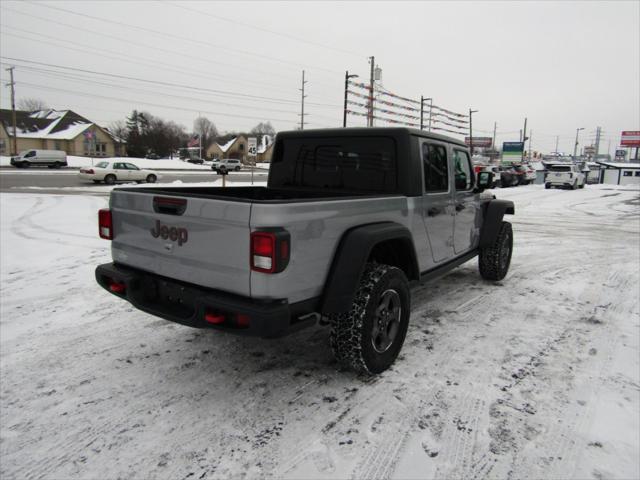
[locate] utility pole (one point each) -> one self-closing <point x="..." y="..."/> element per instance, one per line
<point x="493" y="143"/>
<point x="371" y="80"/>
<point x="302" y="122"/>
<point x="430" y="110"/>
<point x="524" y="137"/>
<point x="530" y="144"/>
<point x="346" y="89"/>
<point x="471" y="112"/>
<point x="598" y="130"/>
<point x="575" y="147"/>
<point x="13" y="112"/>
<point x="557" y="141"/>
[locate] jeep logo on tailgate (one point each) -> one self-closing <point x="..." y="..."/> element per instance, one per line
<point x="172" y="233"/>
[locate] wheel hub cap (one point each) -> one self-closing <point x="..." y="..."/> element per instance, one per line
<point x="387" y="321"/>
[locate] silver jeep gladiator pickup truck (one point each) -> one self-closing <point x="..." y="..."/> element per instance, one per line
<point x="349" y="220"/>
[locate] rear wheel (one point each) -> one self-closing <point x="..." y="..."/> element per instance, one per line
<point x="369" y="336"/>
<point x="25" y="164"/>
<point x="110" y="179"/>
<point x="57" y="165"/>
<point x="495" y="259"/>
<point x="151" y="178"/>
<point x="237" y="169"/>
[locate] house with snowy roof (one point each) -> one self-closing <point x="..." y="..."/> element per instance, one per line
<point x="57" y="130"/>
<point x="234" y="148"/>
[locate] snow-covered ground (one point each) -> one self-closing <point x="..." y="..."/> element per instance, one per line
<point x="536" y="376"/>
<point x="168" y="164"/>
<point x="162" y="164"/>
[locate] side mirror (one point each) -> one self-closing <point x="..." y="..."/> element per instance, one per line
<point x="484" y="180"/>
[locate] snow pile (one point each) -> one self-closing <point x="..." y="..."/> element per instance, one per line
<point x="536" y="376"/>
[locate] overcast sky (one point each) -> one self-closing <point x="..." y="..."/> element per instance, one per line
<point x="561" y="64"/>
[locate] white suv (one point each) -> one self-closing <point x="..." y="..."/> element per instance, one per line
<point x="226" y="165"/>
<point x="564" y="175"/>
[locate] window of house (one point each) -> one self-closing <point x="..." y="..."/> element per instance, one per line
<point x="638" y="174"/>
<point x="463" y="171"/>
<point x="436" y="175"/>
<point x="241" y="147"/>
<point x="58" y="145"/>
<point x="627" y="173"/>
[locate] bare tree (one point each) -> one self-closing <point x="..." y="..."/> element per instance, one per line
<point x="119" y="129"/>
<point x="207" y="130"/>
<point x="263" y="128"/>
<point x="31" y="104"/>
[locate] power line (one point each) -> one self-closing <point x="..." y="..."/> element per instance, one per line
<point x="178" y="37"/>
<point x="128" y="41"/>
<point x="138" y="102"/>
<point x="130" y="59"/>
<point x="262" y="29"/>
<point x="156" y="82"/>
<point x="92" y="81"/>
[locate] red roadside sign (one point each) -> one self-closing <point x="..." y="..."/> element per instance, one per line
<point x="630" y="139"/>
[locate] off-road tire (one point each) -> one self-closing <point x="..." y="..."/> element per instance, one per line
<point x="494" y="260"/>
<point x="351" y="337"/>
<point x="110" y="179"/>
<point x="151" y="178"/>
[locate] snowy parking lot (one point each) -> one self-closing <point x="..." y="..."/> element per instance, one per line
<point x="535" y="376"/>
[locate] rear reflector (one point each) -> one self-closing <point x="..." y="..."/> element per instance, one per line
<point x="117" y="287"/>
<point x="214" y="318"/>
<point x="105" y="224"/>
<point x="242" y="321"/>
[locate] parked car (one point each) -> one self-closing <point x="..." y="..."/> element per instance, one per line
<point x="226" y="165"/>
<point x="564" y="175"/>
<point x="49" y="158"/>
<point x="110" y="172"/>
<point x="521" y="174"/>
<point x="195" y="160"/>
<point x="346" y="224"/>
<point x="508" y="176"/>
<point x="530" y="174"/>
<point x="496" y="173"/>
<point x="152" y="156"/>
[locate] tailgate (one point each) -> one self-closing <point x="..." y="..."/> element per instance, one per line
<point x="196" y="240"/>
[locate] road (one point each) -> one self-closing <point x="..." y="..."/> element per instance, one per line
<point x="535" y="376"/>
<point x="53" y="181"/>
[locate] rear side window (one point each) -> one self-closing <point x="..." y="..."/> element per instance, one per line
<point x="436" y="174"/>
<point x="365" y="164"/>
<point x="463" y="172"/>
<point x="102" y="165"/>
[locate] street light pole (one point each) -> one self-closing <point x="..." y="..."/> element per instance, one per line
<point x="371" y="83"/>
<point x="575" y="147"/>
<point x="471" y="112"/>
<point x="346" y="88"/>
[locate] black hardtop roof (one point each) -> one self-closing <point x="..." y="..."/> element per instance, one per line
<point x="367" y="131"/>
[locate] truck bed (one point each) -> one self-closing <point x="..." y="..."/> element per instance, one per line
<point x="254" y="194"/>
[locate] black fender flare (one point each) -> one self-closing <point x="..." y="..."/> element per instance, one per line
<point x="494" y="212"/>
<point x="350" y="259"/>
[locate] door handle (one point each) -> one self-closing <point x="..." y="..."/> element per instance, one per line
<point x="432" y="212"/>
<point x="459" y="207"/>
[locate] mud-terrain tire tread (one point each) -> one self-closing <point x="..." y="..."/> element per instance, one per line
<point x="489" y="258"/>
<point x="349" y="329"/>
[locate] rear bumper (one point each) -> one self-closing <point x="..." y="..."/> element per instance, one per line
<point x="188" y="304"/>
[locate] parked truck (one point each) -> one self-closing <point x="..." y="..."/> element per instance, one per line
<point x="350" y="219"/>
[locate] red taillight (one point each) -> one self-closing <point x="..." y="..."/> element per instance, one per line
<point x="85" y="170"/>
<point x="270" y="251"/>
<point x="117" y="287"/>
<point x="214" y="318"/>
<point x="105" y="224"/>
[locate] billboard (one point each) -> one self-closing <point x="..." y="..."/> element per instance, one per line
<point x="630" y="139"/>
<point x="512" y="152"/>
<point x="482" y="142"/>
